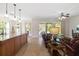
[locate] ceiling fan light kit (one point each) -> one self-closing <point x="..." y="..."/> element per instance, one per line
<point x="63" y="16"/>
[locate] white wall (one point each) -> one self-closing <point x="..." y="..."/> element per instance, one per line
<point x="65" y="25"/>
<point x="69" y="24"/>
<point x="36" y="22"/>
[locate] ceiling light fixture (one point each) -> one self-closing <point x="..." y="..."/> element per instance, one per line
<point x="63" y="16"/>
<point x="19" y="15"/>
<point x="14" y="10"/>
<point x="6" y="12"/>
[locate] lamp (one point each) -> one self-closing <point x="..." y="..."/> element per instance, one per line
<point x="14" y="10"/>
<point x="19" y="15"/>
<point x="6" y="14"/>
<point x="54" y="30"/>
<point x="19" y="20"/>
<point x="6" y="8"/>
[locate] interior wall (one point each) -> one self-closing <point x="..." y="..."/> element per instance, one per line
<point x="65" y="25"/>
<point x="36" y="22"/>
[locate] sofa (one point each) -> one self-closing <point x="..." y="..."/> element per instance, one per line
<point x="72" y="47"/>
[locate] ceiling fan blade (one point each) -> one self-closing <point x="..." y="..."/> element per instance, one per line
<point x="67" y="15"/>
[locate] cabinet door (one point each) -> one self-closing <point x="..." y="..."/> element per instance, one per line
<point x="6" y="49"/>
<point x="17" y="44"/>
<point x="22" y="41"/>
<point x="12" y="46"/>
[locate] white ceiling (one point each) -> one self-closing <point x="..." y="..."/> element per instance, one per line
<point x="46" y="10"/>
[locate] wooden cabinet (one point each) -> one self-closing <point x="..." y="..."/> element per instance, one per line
<point x="17" y="43"/>
<point x="11" y="46"/>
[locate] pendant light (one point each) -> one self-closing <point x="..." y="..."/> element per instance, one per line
<point x="19" y="15"/>
<point x="14" y="10"/>
<point x="6" y="12"/>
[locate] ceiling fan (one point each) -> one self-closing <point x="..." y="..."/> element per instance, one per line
<point x="64" y="16"/>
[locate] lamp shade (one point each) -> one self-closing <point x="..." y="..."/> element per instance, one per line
<point x="54" y="30"/>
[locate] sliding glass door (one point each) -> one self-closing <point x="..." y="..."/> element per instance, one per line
<point x="54" y="28"/>
<point x="42" y="28"/>
<point x="48" y="27"/>
<point x="45" y="27"/>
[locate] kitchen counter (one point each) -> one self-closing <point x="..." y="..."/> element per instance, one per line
<point x="6" y="37"/>
<point x="10" y="45"/>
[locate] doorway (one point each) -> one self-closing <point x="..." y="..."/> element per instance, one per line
<point x="45" y="27"/>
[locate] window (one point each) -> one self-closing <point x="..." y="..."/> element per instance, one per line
<point x="2" y="27"/>
<point x="49" y="26"/>
<point x="28" y="27"/>
<point x="77" y="29"/>
<point x="54" y="28"/>
<point x="42" y="28"/>
<point x="45" y="27"/>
